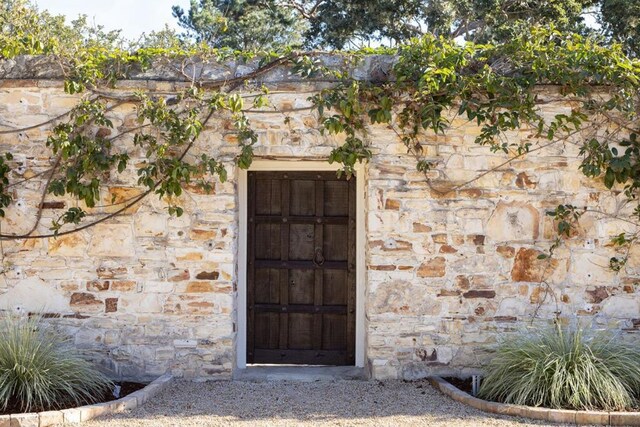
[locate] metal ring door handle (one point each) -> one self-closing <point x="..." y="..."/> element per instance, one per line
<point x="318" y="258"/>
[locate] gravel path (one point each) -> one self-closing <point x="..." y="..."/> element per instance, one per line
<point x="341" y="403"/>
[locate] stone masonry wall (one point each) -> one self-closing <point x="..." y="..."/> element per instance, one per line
<point x="446" y="275"/>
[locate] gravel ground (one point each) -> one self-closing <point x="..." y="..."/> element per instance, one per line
<point x="340" y="403"/>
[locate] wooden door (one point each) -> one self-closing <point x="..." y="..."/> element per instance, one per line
<point x="301" y="268"/>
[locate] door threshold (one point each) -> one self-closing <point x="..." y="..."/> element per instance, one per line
<point x="302" y="373"/>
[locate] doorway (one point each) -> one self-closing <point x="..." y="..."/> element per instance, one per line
<point x="301" y="268"/>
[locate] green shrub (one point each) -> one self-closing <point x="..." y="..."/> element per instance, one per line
<point x="40" y="370"/>
<point x="559" y="367"/>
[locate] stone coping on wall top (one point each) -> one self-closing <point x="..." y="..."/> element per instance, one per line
<point x="27" y="70"/>
<point x="544" y="414"/>
<point x="85" y="413"/>
<point x="41" y="67"/>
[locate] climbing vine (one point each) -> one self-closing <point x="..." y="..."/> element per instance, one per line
<point x="433" y="82"/>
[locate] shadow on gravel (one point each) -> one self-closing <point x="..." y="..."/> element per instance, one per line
<point x="223" y="402"/>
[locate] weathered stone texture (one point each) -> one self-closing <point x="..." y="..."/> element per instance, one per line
<point x="447" y="272"/>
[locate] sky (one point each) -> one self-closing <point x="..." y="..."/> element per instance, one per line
<point x="133" y="17"/>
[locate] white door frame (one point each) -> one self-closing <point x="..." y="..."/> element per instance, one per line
<point x="241" y="297"/>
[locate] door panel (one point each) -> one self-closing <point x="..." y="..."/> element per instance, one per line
<point x="336" y="247"/>
<point x="301" y="286"/>
<point x="335" y="287"/>
<point x="336" y="200"/>
<point x="301" y="241"/>
<point x="269" y="237"/>
<point x="267" y="286"/>
<point x="301" y="268"/>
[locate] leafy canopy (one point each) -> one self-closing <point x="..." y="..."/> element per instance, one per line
<point x="343" y="23"/>
<point x="239" y="24"/>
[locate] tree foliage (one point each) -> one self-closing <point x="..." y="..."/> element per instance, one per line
<point x="621" y="22"/>
<point x="342" y="23"/>
<point x="239" y="24"/>
<point x="26" y="30"/>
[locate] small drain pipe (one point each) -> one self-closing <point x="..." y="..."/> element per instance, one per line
<point x="475" y="385"/>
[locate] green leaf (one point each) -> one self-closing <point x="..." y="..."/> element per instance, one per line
<point x="609" y="178"/>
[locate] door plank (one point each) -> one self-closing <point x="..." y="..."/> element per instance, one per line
<point x="284" y="256"/>
<point x="304" y="357"/>
<point x="351" y="275"/>
<point x="251" y="256"/>
<point x="328" y="265"/>
<point x="318" y="253"/>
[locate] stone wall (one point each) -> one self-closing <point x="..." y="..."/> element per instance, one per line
<point x="446" y="274"/>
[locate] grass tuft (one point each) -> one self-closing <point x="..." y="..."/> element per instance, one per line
<point x="564" y="368"/>
<point x="40" y="370"/>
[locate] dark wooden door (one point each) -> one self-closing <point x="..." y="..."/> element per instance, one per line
<point x="301" y="268"/>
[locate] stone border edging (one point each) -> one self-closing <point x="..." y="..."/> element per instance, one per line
<point x="87" y="412"/>
<point x="544" y="414"/>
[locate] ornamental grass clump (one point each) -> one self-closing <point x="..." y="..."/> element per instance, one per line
<point x="40" y="370"/>
<point x="565" y="368"/>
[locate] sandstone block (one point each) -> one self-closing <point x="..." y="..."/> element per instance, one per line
<point x="479" y="294"/>
<point x="596" y="295"/>
<point x="89" y="412"/>
<point x="178" y="275"/>
<point x="524" y="181"/>
<point x="111" y="305"/>
<point x="562" y="416"/>
<point x="72" y="245"/>
<point x="506" y="251"/>
<point x="150" y="224"/>
<point x="624" y="418"/>
<point x="208" y="275"/>
<point x="514" y="221"/>
<point x="112" y="240"/>
<point x="392" y="204"/>
<point x="199" y="287"/>
<point x="528" y="267"/>
<point x="118" y="197"/>
<point x="98" y="285"/>
<point x="109" y="272"/>
<point x="83" y="300"/>
<point x="123" y="285"/>
<point x="447" y="249"/>
<point x="621" y="307"/>
<point x="590" y="268"/>
<point x="140" y="303"/>
<point x="592" y="418"/>
<point x="25" y="420"/>
<point x="190" y="256"/>
<point x="435" y="267"/>
<point x="421" y="228"/>
<point x="34" y="295"/>
<point x="50" y="418"/>
<point x="203" y="234"/>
